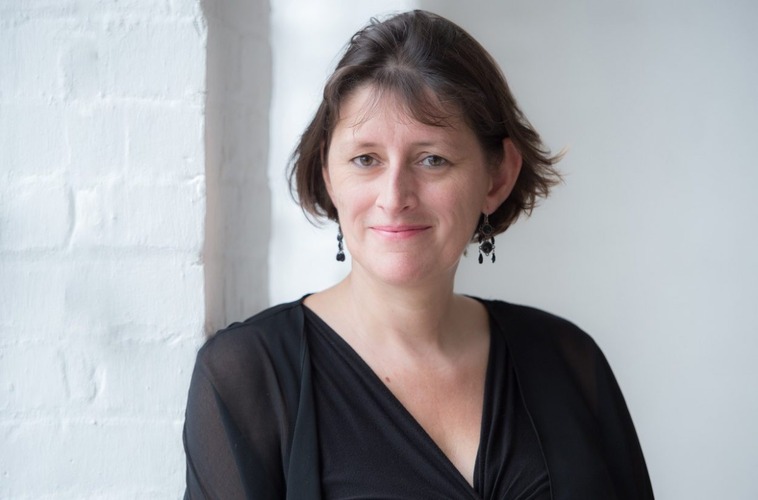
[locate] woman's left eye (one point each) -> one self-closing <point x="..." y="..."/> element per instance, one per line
<point x="434" y="161"/>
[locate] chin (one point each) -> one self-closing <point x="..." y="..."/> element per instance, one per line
<point x="406" y="271"/>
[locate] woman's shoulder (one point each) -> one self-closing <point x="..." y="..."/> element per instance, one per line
<point x="537" y="329"/>
<point x="243" y="402"/>
<point x="529" y="317"/>
<point x="272" y="337"/>
<point x="550" y="351"/>
<point x="272" y="322"/>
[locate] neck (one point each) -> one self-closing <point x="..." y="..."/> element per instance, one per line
<point x="418" y="317"/>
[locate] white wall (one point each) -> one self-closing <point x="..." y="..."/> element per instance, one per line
<point x="651" y="243"/>
<point x="113" y="252"/>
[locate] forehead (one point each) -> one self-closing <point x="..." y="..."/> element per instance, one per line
<point x="368" y="104"/>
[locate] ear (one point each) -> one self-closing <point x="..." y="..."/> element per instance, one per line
<point x="503" y="178"/>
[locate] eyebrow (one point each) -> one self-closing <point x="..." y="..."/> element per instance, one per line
<point x="370" y="144"/>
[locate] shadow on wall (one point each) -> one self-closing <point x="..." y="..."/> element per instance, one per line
<point x="237" y="223"/>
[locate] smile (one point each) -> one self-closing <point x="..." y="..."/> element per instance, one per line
<point x="399" y="232"/>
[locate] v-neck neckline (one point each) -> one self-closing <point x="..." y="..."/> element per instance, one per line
<point x="391" y="397"/>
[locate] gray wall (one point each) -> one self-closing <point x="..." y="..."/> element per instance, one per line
<point x="238" y="214"/>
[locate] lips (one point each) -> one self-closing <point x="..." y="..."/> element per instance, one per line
<point x="400" y="231"/>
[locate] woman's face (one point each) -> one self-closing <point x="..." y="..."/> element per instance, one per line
<point x="408" y="195"/>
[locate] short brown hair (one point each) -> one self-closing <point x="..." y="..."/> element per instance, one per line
<point x="411" y="54"/>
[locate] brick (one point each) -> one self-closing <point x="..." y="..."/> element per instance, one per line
<point x="8" y="59"/>
<point x="120" y="377"/>
<point x="82" y="66"/>
<point x="142" y="8"/>
<point x="166" y="141"/>
<point x="57" y="9"/>
<point x="178" y="224"/>
<point x="186" y="7"/>
<point x="31" y="298"/>
<point x="106" y="458"/>
<point x="135" y="215"/>
<point x="31" y="49"/>
<point x="143" y="60"/>
<point x="33" y="379"/>
<point x="34" y="214"/>
<point x="132" y="378"/>
<point x="32" y="140"/>
<point x="97" y="141"/>
<point x="109" y="292"/>
<point x="94" y="217"/>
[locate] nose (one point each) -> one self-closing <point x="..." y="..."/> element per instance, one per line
<point x="398" y="190"/>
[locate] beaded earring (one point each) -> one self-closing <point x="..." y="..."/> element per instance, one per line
<point x="340" y="248"/>
<point x="486" y="240"/>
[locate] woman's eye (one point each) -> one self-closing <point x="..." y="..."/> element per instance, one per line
<point x="363" y="161"/>
<point x="434" y="161"/>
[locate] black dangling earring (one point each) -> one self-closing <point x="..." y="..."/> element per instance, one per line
<point x="340" y="249"/>
<point x="486" y="240"/>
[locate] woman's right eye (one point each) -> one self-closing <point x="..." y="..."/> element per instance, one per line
<point x="364" y="161"/>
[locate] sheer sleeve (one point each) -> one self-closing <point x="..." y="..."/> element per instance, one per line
<point x="577" y="408"/>
<point x="613" y="427"/>
<point x="212" y="456"/>
<point x="249" y="428"/>
<point x="624" y="450"/>
<point x="236" y="423"/>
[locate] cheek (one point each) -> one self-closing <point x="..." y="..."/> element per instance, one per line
<point x="351" y="198"/>
<point x="465" y="196"/>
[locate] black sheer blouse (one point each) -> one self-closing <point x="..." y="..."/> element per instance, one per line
<point x="371" y="447"/>
<point x="259" y="399"/>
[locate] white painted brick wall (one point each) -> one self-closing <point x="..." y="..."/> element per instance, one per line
<point x="106" y="282"/>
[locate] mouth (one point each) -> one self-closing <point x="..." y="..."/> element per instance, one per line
<point x="399" y="231"/>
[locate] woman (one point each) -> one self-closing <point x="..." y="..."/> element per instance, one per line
<point x="389" y="385"/>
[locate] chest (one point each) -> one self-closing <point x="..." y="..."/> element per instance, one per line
<point x="447" y="406"/>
